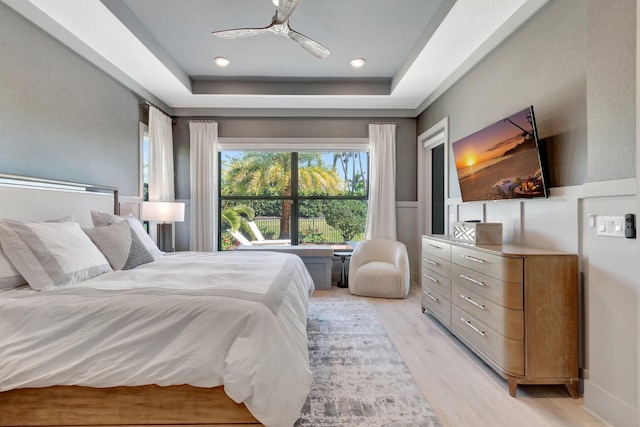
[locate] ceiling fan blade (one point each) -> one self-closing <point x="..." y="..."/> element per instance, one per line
<point x="311" y="46"/>
<point x="239" y="32"/>
<point x="285" y="10"/>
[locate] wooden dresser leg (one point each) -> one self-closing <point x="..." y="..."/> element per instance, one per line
<point x="573" y="388"/>
<point x="513" y="386"/>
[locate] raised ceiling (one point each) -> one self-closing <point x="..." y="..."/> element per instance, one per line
<point x="353" y="28"/>
<point x="164" y="50"/>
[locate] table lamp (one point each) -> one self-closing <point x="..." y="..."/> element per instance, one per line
<point x="165" y="214"/>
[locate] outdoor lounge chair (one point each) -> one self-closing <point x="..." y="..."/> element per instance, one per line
<point x="260" y="240"/>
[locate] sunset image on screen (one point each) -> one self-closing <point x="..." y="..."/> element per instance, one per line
<point x="500" y="161"/>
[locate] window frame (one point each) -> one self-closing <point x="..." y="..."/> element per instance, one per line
<point x="294" y="148"/>
<point x="143" y="130"/>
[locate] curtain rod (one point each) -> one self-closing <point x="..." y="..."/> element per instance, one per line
<point x="383" y="123"/>
<point x="149" y="104"/>
<point x="203" y="121"/>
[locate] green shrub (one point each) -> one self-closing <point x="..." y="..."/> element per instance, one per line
<point x="346" y="216"/>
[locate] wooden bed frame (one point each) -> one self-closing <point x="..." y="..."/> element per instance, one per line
<point x="35" y="199"/>
<point x="145" y="405"/>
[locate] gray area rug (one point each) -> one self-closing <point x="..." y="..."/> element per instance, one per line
<point x="359" y="377"/>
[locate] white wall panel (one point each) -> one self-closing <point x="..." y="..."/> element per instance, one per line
<point x="407" y="220"/>
<point x="471" y="211"/>
<point x="611" y="291"/>
<point x="611" y="287"/>
<point x="508" y="213"/>
<point x="551" y="223"/>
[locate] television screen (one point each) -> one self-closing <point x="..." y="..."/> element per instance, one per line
<point x="501" y="161"/>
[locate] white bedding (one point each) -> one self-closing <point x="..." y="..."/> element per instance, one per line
<point x="204" y="319"/>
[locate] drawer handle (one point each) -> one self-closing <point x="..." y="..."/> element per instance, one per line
<point x="470" y="258"/>
<point x="432" y="297"/>
<point x="431" y="262"/>
<point x="468" y="323"/>
<point x="433" y="279"/>
<point x="433" y="246"/>
<point x="472" y="280"/>
<point x="469" y="300"/>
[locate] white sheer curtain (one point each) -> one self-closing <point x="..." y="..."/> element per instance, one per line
<point x="160" y="157"/>
<point x="381" y="213"/>
<point x="204" y="186"/>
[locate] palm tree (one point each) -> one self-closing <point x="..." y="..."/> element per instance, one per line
<point x="357" y="169"/>
<point x="236" y="216"/>
<point x="269" y="174"/>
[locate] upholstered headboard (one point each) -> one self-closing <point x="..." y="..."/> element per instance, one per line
<point x="33" y="199"/>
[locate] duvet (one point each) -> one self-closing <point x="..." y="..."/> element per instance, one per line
<point x="203" y="319"/>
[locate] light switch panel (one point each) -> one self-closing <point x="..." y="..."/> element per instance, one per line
<point x="611" y="226"/>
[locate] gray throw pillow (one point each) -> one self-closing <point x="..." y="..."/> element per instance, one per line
<point x="119" y="245"/>
<point x="101" y="219"/>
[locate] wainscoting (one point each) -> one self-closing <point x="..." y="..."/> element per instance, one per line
<point x="407" y="229"/>
<point x="609" y="280"/>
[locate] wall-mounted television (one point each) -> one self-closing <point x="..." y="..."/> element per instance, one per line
<point x="501" y="161"/>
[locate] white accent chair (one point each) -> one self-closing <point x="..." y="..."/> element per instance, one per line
<point x="379" y="268"/>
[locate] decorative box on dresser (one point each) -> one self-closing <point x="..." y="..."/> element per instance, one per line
<point x="515" y="306"/>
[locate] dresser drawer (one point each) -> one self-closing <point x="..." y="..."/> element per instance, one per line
<point x="434" y="280"/>
<point x="506" y="294"/>
<point x="509" y="323"/>
<point x="504" y="268"/>
<point x="436" y="304"/>
<point x="506" y="353"/>
<point x="437" y="265"/>
<point x="436" y="248"/>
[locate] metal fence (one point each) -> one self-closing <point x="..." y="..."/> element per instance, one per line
<point x="311" y="230"/>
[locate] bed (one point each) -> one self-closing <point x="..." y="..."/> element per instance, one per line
<point x="187" y="338"/>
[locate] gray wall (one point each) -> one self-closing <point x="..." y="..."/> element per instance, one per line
<point x="574" y="62"/>
<point x="303" y="128"/>
<point x="61" y="117"/>
<point x="611" y="83"/>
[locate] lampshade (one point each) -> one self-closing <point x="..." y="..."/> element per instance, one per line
<point x="163" y="211"/>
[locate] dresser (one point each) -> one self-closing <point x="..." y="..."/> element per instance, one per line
<point x="516" y="307"/>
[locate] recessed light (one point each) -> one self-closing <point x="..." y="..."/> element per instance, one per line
<point x="221" y="61"/>
<point x="357" y="62"/>
<point x="276" y="3"/>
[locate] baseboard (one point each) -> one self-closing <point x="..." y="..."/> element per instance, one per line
<point x="597" y="417"/>
<point x="609" y="408"/>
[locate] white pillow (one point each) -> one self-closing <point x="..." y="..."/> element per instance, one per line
<point x="9" y="276"/>
<point x="49" y="254"/>
<point x="101" y="219"/>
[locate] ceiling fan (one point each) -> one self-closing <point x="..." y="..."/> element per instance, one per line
<point x="280" y="25"/>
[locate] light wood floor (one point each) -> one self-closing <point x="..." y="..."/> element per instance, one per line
<point x="463" y="390"/>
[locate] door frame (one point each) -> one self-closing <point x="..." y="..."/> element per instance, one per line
<point x="436" y="135"/>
